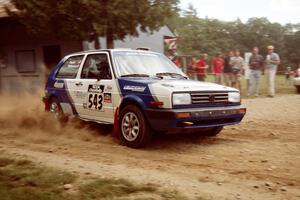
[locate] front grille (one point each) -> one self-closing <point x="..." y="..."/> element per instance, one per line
<point x="209" y="97"/>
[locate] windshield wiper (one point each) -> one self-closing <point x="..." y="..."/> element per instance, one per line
<point x="169" y="74"/>
<point x="135" y="75"/>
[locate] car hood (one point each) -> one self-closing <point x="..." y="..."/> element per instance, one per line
<point x="191" y="85"/>
<point x="166" y="86"/>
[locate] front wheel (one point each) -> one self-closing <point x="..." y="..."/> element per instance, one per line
<point x="134" y="129"/>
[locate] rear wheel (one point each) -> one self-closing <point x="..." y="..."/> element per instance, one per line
<point x="134" y="129"/>
<point x="214" y="131"/>
<point x="57" y="111"/>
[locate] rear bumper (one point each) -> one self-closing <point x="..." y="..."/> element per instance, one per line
<point x="183" y="119"/>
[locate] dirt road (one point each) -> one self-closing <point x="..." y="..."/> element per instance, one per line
<point x="259" y="159"/>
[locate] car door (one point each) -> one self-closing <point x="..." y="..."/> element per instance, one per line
<point x="94" y="89"/>
<point x="65" y="83"/>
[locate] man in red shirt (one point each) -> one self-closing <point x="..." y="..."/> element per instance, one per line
<point x="217" y="67"/>
<point x="201" y="67"/>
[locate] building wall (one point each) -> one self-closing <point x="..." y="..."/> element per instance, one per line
<point x="15" y="39"/>
<point x="154" y="41"/>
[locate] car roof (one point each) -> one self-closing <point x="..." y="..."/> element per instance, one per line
<point x="110" y="50"/>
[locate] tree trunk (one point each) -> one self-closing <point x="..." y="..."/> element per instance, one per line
<point x="109" y="39"/>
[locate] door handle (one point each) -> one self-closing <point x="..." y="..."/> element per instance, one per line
<point x="78" y="84"/>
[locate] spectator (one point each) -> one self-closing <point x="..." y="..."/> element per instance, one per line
<point x="201" y="67"/>
<point x="177" y="61"/>
<point x="227" y="69"/>
<point x="256" y="63"/>
<point x="297" y="74"/>
<point x="237" y="64"/>
<point x="288" y="73"/>
<point x="191" y="71"/>
<point x="247" y="70"/>
<point x="217" y="67"/>
<point x="272" y="62"/>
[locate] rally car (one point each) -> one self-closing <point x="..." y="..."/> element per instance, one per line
<point x="138" y="92"/>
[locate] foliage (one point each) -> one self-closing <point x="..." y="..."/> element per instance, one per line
<point x="292" y="44"/>
<point x="78" y="18"/>
<point x="199" y="35"/>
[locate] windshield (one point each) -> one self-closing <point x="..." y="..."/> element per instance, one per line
<point x="144" y="63"/>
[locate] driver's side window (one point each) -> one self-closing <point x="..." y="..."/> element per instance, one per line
<point x="96" y="66"/>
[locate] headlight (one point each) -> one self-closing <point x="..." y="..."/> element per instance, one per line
<point x="182" y="99"/>
<point x="234" y="97"/>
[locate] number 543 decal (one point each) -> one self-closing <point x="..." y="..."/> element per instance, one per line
<point x="95" y="97"/>
<point x="95" y="101"/>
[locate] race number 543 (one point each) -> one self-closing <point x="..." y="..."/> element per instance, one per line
<point x="95" y="101"/>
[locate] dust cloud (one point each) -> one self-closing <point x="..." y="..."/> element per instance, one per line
<point x="23" y="115"/>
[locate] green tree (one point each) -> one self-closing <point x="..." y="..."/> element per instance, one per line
<point x="199" y="35"/>
<point x="292" y="44"/>
<point x="78" y="18"/>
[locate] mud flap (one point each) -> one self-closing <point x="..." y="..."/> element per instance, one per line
<point x="116" y="123"/>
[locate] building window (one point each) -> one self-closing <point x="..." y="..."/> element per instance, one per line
<point x="25" y="61"/>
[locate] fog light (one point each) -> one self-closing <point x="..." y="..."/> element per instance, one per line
<point x="183" y="115"/>
<point x="186" y="124"/>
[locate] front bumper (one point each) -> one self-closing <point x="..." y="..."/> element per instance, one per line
<point x="193" y="118"/>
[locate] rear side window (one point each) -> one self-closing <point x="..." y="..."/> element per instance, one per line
<point x="70" y="68"/>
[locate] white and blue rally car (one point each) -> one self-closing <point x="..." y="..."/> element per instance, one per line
<point x="138" y="92"/>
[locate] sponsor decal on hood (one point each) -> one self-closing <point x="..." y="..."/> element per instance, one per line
<point x="134" y="88"/>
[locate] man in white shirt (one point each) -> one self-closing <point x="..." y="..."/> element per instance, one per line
<point x="272" y="62"/>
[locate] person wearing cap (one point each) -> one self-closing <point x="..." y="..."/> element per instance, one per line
<point x="272" y="62"/>
<point x="256" y="63"/>
<point x="217" y="68"/>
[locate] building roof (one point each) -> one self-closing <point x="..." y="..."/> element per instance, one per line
<point x="3" y="4"/>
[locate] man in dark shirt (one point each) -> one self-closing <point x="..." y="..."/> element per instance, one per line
<point x="228" y="69"/>
<point x="256" y="63"/>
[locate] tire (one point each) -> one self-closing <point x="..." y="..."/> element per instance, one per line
<point x="56" y="110"/>
<point x="134" y="130"/>
<point x="214" y="131"/>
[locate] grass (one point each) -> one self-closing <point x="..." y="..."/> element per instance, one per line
<point x="25" y="180"/>
<point x="281" y="87"/>
<point x="110" y="188"/>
